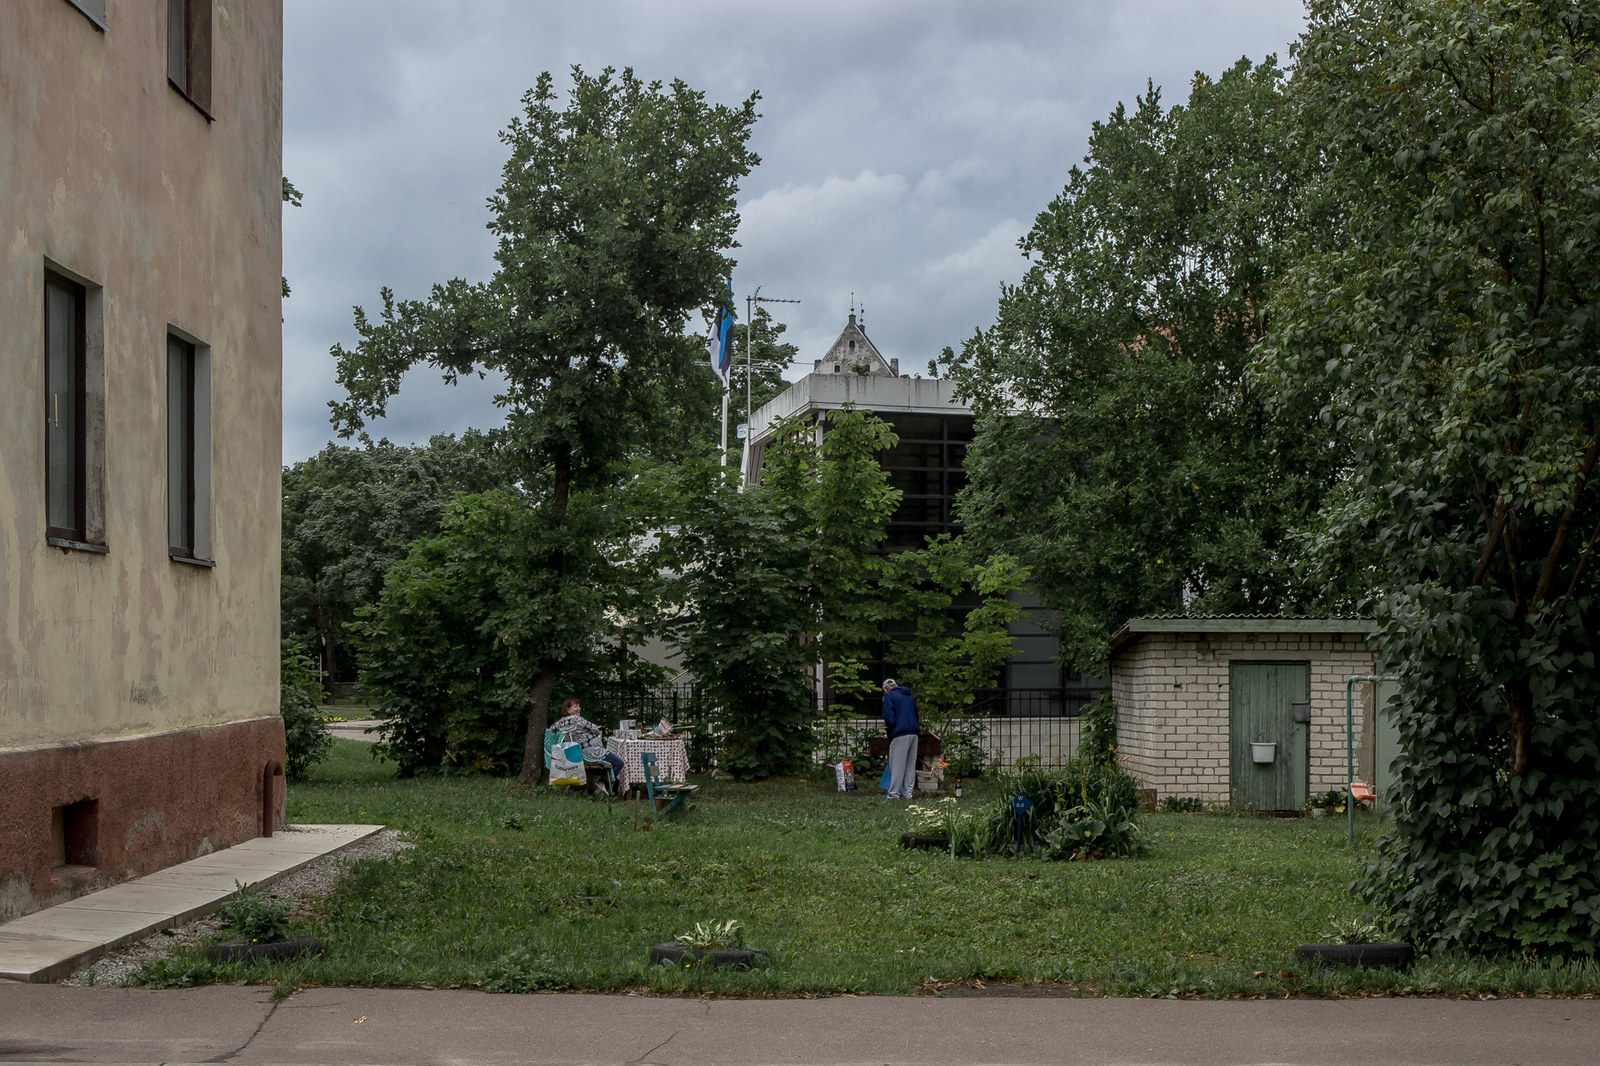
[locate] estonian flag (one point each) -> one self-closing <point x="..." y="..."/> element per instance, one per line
<point x="717" y="344"/>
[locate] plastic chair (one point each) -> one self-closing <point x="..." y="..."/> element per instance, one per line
<point x="662" y="797"/>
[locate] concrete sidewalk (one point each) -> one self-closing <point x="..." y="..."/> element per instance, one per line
<point x="363" y="729"/>
<point x="48" y="945"/>
<point x="389" y="1026"/>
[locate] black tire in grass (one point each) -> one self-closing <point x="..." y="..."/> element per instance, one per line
<point x="1397" y="956"/>
<point x="246" y="950"/>
<point x="912" y="840"/>
<point x="678" y="955"/>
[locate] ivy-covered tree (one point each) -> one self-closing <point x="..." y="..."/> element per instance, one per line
<point x="1453" y="334"/>
<point x="1123" y="454"/>
<point x="349" y="514"/>
<point x="613" y="215"/>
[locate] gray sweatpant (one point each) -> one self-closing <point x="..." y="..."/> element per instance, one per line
<point x="902" y="767"/>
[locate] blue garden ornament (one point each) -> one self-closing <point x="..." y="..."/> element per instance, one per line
<point x="1021" y="805"/>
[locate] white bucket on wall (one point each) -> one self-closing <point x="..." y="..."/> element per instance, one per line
<point x="1264" y="753"/>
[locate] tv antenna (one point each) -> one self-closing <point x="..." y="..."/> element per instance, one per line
<point x="750" y="304"/>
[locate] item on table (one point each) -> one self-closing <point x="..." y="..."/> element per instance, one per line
<point x="662" y="729"/>
<point x="845" y="774"/>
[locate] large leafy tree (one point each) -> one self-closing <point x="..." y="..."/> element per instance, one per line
<point x="1453" y="336"/>
<point x="614" y="215"/>
<point x="1123" y="454"/>
<point x="767" y="582"/>
<point x="465" y="620"/>
<point x="349" y="514"/>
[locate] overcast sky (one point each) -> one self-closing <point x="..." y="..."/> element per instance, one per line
<point x="906" y="145"/>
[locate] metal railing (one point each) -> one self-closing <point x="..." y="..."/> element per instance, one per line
<point x="1006" y="726"/>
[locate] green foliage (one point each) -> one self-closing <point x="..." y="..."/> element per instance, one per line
<point x="613" y="217"/>
<point x="1080" y="811"/>
<point x="1182" y="805"/>
<point x="1362" y="929"/>
<point x="1215" y="910"/>
<point x="255" y="917"/>
<point x="1099" y="740"/>
<point x="519" y="970"/>
<point x="467" y="619"/>
<point x="923" y="592"/>
<point x="349" y="514"/>
<point x="306" y="736"/>
<point x="176" y="973"/>
<point x="757" y="575"/>
<point x="1123" y="454"/>
<point x="713" y="936"/>
<point x="965" y="751"/>
<point x="1103" y="826"/>
<point x="1450" y="331"/>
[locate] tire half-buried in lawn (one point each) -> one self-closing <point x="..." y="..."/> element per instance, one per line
<point x="677" y="954"/>
<point x="246" y="950"/>
<point x="1398" y="956"/>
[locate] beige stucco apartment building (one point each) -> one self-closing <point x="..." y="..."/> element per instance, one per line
<point x="1194" y="695"/>
<point x="140" y="203"/>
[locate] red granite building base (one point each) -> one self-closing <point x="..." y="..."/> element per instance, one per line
<point x="80" y="816"/>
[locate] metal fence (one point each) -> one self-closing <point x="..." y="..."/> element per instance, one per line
<point x="1008" y="726"/>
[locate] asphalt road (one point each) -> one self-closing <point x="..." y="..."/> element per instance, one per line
<point x="48" y="1023"/>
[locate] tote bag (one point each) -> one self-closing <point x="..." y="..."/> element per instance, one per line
<point x="566" y="765"/>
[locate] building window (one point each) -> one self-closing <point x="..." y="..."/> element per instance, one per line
<point x="64" y="414"/>
<point x="188" y="452"/>
<point x="189" y="50"/>
<point x="93" y="10"/>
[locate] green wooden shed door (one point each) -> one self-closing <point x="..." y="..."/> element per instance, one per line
<point x="1261" y="699"/>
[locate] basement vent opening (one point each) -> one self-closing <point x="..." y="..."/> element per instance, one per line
<point x="74" y="834"/>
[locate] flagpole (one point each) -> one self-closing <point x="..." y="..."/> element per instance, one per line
<point x="724" y="424"/>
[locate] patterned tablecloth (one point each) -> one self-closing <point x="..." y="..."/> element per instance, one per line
<point x="672" y="759"/>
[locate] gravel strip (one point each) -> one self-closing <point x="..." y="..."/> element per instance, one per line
<point x="306" y="887"/>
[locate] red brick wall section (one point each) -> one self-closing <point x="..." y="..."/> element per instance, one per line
<point x="161" y="800"/>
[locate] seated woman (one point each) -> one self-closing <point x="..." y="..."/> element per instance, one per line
<point x="586" y="735"/>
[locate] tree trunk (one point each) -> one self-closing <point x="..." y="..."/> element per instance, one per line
<point x="1521" y="706"/>
<point x="549" y="671"/>
<point x="538" y="722"/>
<point x="330" y="630"/>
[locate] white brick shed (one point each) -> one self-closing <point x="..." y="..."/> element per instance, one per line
<point x="1193" y="693"/>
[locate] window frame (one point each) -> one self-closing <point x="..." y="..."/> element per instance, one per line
<point x="189" y="35"/>
<point x="77" y="533"/>
<point x="189" y="534"/>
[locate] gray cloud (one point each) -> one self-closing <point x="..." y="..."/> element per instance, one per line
<point x="906" y="147"/>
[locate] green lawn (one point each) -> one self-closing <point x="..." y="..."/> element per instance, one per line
<point x="581" y="888"/>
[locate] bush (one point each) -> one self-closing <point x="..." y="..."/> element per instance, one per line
<point x="306" y="738"/>
<point x="1064" y="802"/>
<point x="1182" y="805"/>
<point x="1099" y="746"/>
<point x="964" y="751"/>
<point x="255" y="917"/>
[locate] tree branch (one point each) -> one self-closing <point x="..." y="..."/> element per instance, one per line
<point x="1554" y="555"/>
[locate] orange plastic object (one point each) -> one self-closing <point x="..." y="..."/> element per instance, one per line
<point x="1361" y="792"/>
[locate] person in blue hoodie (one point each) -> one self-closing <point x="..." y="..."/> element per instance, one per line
<point x="900" y="714"/>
